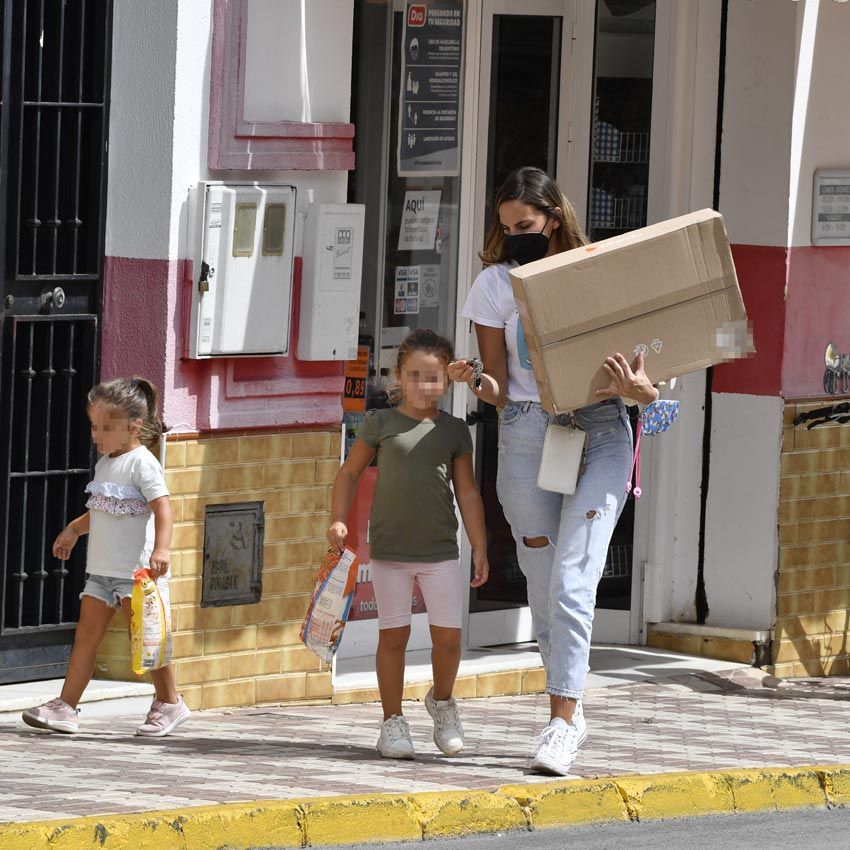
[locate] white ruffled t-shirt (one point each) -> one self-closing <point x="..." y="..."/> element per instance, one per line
<point x="121" y="527"/>
<point x="491" y="303"/>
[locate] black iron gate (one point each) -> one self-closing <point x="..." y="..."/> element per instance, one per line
<point x="55" y="59"/>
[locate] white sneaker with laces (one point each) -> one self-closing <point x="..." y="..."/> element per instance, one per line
<point x="448" y="730"/>
<point x="394" y="742"/>
<point x="164" y="717"/>
<point x="56" y="716"/>
<point x="558" y="747"/>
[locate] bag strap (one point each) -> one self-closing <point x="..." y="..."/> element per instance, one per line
<point x="635" y="470"/>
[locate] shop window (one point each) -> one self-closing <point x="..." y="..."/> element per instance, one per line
<point x="622" y="108"/>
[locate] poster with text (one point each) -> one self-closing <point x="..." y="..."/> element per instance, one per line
<point x="430" y="82"/>
<point x="418" y="230"/>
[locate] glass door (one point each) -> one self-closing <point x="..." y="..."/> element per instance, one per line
<point x="523" y="79"/>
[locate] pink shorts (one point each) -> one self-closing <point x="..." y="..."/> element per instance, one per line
<point x="441" y="584"/>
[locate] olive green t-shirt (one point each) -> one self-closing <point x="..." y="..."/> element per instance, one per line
<point x="413" y="513"/>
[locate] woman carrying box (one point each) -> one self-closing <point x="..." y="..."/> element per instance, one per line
<point x="562" y="541"/>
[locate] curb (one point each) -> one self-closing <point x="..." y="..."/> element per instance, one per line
<point x="398" y="817"/>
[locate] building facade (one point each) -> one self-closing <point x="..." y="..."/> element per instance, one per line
<point x="409" y="115"/>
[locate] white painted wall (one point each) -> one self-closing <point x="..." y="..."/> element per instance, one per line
<point x="141" y="128"/>
<point x="743" y="501"/>
<point x="758" y="108"/>
<point x="284" y="80"/>
<point x="681" y="179"/>
<point x="821" y="119"/>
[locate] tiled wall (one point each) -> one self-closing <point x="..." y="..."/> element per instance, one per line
<point x="244" y="654"/>
<point x="812" y="634"/>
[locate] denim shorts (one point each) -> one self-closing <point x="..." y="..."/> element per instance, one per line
<point x="108" y="589"/>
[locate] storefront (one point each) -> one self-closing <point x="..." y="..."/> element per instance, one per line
<point x="483" y="88"/>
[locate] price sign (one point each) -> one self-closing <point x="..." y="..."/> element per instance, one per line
<point x="356" y="372"/>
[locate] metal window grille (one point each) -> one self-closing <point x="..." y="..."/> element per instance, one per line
<point x="55" y="60"/>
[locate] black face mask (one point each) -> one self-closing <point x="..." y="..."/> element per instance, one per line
<point x="528" y="247"/>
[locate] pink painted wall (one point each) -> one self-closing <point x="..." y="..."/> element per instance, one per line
<point x="144" y="335"/>
<point x="818" y="312"/>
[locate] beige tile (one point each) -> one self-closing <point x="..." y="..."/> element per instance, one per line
<point x="278" y="634"/>
<point x="239" y="478"/>
<point x="187" y="644"/>
<point x="300" y="659"/>
<point x="181" y="481"/>
<point x="214" y="452"/>
<point x="265" y="447"/>
<point x="230" y="640"/>
<point x="187" y="535"/>
<point x="326" y="470"/>
<point x="184" y="590"/>
<point x="319" y="685"/>
<point x="175" y="454"/>
<point x="494" y="684"/>
<point x="289" y="473"/>
<point x="239" y="692"/>
<point x="289" y="580"/>
<point x="287" y="528"/>
<point x="283" y="688"/>
<point x="312" y="445"/>
<point x="203" y="670"/>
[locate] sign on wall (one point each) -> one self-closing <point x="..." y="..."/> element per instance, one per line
<point x="430" y="82"/>
<point x="831" y="207"/>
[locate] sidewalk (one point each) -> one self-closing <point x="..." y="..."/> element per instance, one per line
<point x="704" y="721"/>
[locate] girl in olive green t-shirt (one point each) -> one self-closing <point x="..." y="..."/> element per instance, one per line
<point x="423" y="455"/>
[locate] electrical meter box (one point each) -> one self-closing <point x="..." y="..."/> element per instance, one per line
<point x="330" y="286"/>
<point x="242" y="291"/>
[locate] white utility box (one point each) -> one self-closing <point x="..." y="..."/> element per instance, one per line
<point x="242" y="292"/>
<point x="330" y="286"/>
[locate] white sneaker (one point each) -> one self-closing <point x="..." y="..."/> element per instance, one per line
<point x="394" y="741"/>
<point x="559" y="745"/>
<point x="56" y="715"/>
<point x="163" y="718"/>
<point x="448" y="730"/>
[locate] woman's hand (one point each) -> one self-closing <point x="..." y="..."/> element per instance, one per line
<point x="64" y="543"/>
<point x="460" y="371"/>
<point x="336" y="535"/>
<point x="159" y="562"/>
<point x="627" y="383"/>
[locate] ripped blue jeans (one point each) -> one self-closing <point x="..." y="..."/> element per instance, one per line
<point x="563" y="575"/>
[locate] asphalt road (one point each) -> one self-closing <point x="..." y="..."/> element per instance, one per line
<point x="805" y="829"/>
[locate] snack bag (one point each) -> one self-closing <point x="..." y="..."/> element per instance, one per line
<point x="321" y="631"/>
<point x="150" y="624"/>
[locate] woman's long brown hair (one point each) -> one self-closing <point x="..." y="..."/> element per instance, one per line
<point x="536" y="188"/>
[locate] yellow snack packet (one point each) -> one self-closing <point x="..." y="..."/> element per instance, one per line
<point x="150" y="624"/>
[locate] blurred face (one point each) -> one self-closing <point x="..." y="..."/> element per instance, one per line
<point x="111" y="432"/>
<point x="424" y="379"/>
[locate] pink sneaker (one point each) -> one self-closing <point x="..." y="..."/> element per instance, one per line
<point x="56" y="715"/>
<point x="163" y="718"/>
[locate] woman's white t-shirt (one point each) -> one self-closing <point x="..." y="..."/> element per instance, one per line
<point x="121" y="525"/>
<point x="491" y="303"/>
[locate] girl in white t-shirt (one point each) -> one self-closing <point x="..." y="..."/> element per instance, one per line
<point x="129" y="526"/>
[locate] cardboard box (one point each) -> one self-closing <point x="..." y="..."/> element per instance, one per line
<point x="669" y="290"/>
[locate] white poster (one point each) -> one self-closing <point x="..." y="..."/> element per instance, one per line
<point x="429" y="287"/>
<point x="418" y="228"/>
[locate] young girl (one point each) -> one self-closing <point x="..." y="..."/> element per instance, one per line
<point x="422" y="453"/>
<point x="129" y="526"/>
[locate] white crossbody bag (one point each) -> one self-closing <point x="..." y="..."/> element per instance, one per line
<point x="563" y="448"/>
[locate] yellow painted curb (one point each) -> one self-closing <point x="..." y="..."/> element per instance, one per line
<point x="445" y="814"/>
<point x="394" y="817"/>
<point x="569" y="802"/>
